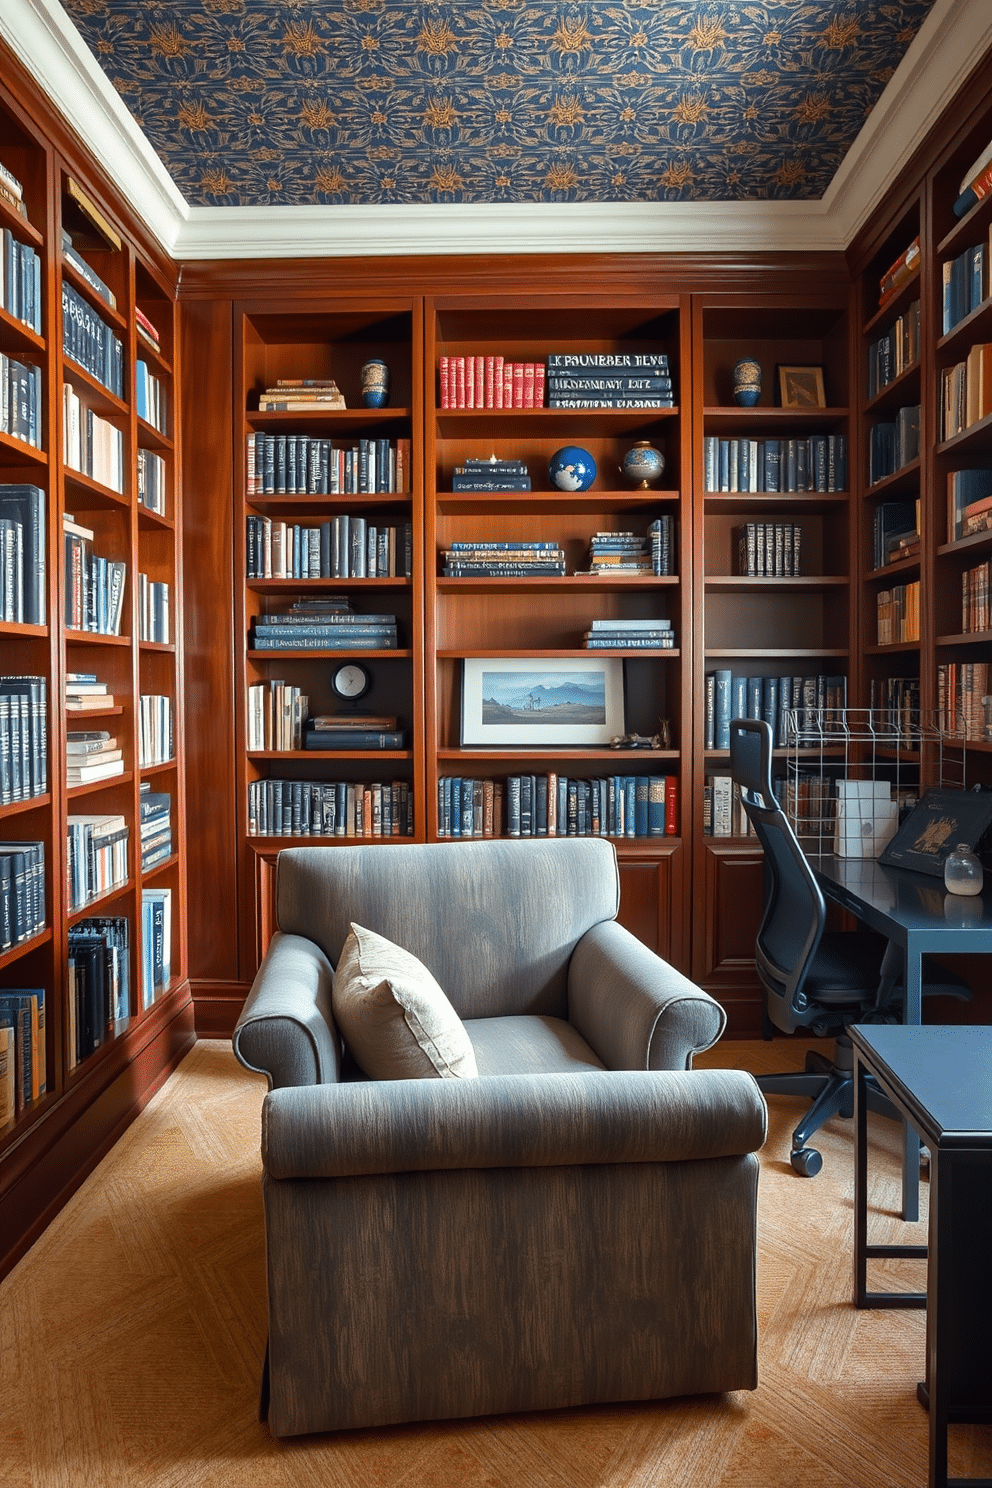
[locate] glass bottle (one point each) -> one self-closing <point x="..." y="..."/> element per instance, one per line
<point x="963" y="871"/>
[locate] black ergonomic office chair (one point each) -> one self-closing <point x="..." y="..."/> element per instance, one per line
<point x="813" y="977"/>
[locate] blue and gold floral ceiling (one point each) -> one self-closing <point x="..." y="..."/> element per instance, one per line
<point x="252" y="102"/>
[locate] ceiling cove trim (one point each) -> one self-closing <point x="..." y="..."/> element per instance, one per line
<point x="951" y="40"/>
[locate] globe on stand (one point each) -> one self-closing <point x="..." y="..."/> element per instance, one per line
<point x="643" y="465"/>
<point x="572" y="468"/>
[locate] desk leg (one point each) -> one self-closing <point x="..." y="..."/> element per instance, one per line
<point x="860" y="1184"/>
<point x="913" y="1013"/>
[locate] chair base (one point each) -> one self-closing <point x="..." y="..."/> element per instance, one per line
<point x="829" y="1084"/>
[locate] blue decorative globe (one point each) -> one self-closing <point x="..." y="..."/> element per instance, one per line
<point x="747" y="382"/>
<point x="572" y="468"/>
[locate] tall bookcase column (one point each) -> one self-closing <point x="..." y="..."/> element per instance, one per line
<point x="770" y="567"/>
<point x="330" y="533"/>
<point x="533" y="624"/>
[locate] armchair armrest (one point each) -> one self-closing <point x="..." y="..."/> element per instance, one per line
<point x="333" y="1131"/>
<point x="286" y="1029"/>
<point x="635" y="1010"/>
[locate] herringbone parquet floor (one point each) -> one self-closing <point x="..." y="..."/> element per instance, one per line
<point x="131" y="1339"/>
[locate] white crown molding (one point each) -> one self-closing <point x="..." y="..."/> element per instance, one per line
<point x="954" y="35"/>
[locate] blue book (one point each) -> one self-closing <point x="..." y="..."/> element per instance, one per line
<point x="772" y="464"/>
<point x="738" y="699"/>
<point x="468" y="808"/>
<point x="641" y="806"/>
<point x="770" y="706"/>
<point x="630" y="806"/>
<point x="656" y="805"/>
<point x="754" y="698"/>
<point x="722" y="712"/>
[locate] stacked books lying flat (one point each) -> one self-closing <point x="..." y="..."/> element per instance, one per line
<point x="961" y="685"/>
<point x="20" y="400"/>
<point x="99" y="983"/>
<point x="97" y="855"/>
<point x="969" y="502"/>
<point x="609" y="380"/>
<point x="301" y="395"/>
<point x="23" y="1074"/>
<point x="152" y="476"/>
<point x="490" y="382"/>
<point x="966" y="391"/>
<point x="23" y="738"/>
<point x="12" y="191"/>
<point x="323" y="628"/>
<point x="899" y="272"/>
<point x="817" y="462"/>
<point x="769" y="550"/>
<point x="612" y="553"/>
<point x="552" y="805"/>
<point x="338" y="731"/>
<point x="146" y="329"/>
<point x="20" y="280"/>
<point x="22" y="892"/>
<point x="93" y="585"/>
<point x="156" y="943"/>
<point x="22" y="554"/>
<point x="330" y="808"/>
<point x="90" y="343"/>
<point x="976" y="183"/>
<point x="155" y="736"/>
<point x="83" y="693"/>
<point x="91" y="444"/>
<point x="490" y="475"/>
<point x="895" y="533"/>
<point x="891" y="354"/>
<point x="629" y="635"/>
<point x="345" y="547"/>
<point x="772" y="698"/>
<point x="893" y="445"/>
<point x="303" y="465"/>
<point x="92" y="755"/>
<point x="86" y="271"/>
<point x="503" y="560"/>
<point x="154" y="812"/>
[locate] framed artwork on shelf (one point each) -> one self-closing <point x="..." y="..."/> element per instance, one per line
<point x="935" y="826"/>
<point x="541" y="704"/>
<point x="801" y="387"/>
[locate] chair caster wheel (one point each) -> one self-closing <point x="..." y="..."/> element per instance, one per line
<point x="806" y="1161"/>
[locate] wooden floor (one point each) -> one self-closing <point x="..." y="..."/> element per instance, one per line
<point x="132" y="1334"/>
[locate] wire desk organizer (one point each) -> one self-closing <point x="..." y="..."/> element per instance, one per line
<point x="853" y="773"/>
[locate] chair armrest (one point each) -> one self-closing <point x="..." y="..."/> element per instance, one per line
<point x="390" y="1126"/>
<point x="286" y="1029"/>
<point x="635" y="1010"/>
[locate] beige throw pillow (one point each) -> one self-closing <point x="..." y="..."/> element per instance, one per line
<point x="393" y="1016"/>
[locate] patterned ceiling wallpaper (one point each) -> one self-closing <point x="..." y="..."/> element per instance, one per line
<point x="249" y="102"/>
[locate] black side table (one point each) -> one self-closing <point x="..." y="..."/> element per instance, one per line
<point x="940" y="1079"/>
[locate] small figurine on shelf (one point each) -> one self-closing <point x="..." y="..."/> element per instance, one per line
<point x="374" y="383"/>
<point x="747" y="382"/>
<point x="572" y="468"/>
<point x="643" y="465"/>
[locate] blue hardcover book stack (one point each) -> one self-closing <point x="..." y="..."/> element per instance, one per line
<point x="609" y="380"/>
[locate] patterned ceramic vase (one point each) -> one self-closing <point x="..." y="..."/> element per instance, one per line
<point x="747" y="382"/>
<point x="643" y="465"/>
<point x="572" y="468"/>
<point x="374" y="383"/>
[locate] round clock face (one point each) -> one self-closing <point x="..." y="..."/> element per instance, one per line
<point x="351" y="681"/>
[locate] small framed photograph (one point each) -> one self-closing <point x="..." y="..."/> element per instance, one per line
<point x="801" y="387"/>
<point x="541" y="704"/>
<point x="934" y="828"/>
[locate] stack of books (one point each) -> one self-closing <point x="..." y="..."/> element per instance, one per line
<point x="490" y="382"/>
<point x="609" y="380"/>
<point x="652" y="634"/>
<point x="84" y="693"/>
<point x="97" y="855"/>
<point x="619" y="553"/>
<point x="490" y="475"/>
<point x="337" y="731"/>
<point x="966" y="390"/>
<point x="154" y="812"/>
<point x="86" y="271"/>
<point x="22" y="554"/>
<point x="503" y="560"/>
<point x="969" y="502"/>
<point x="895" y="532"/>
<point x="99" y="983"/>
<point x="899" y="273"/>
<point x="301" y="395"/>
<point x="92" y="755"/>
<point x="20" y="400"/>
<point x="20" y="280"/>
<point x="323" y="627"/>
<point x="12" y="191"/>
<point x="23" y="1074"/>
<point x="976" y="183"/>
<point x="891" y="354"/>
<point x="23" y="738"/>
<point x="146" y="329"/>
<point x="769" y="550"/>
<point x="22" y="892"/>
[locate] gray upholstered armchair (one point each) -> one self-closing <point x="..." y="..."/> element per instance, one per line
<point x="574" y="1225"/>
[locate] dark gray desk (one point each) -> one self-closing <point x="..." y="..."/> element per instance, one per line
<point x="940" y="1079"/>
<point x="918" y="918"/>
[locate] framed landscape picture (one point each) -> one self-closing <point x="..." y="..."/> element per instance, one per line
<point x="801" y="387"/>
<point x="541" y="704"/>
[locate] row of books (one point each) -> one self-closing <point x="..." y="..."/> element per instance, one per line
<point x="154" y="606"/>
<point x="723" y="814"/>
<point x="966" y="391"/>
<point x="503" y="560"/>
<point x="156" y="944"/>
<point x="22" y="554"/>
<point x="964" y="285"/>
<point x="344" y="547"/>
<point x="93" y="588"/>
<point x="150" y="398"/>
<point x="330" y="808"/>
<point x="96" y="858"/>
<point x="152" y="478"/>
<point x="490" y="381"/>
<point x="277" y="711"/>
<point x="155" y="823"/>
<point x="969" y="507"/>
<point x="23" y="738"/>
<point x="20" y="280"/>
<point x="22" y="892"/>
<point x="482" y="475"/>
<point x="769" y="550"/>
<point x="20" y="400"/>
<point x="86" y="270"/>
<point x="815" y="462"/>
<point x="784" y="703"/>
<point x="91" y="443"/>
<point x="897" y="699"/>
<point x="894" y="352"/>
<point x="961" y="685"/>
<point x="611" y="383"/>
<point x="99" y="992"/>
<point x="304" y="465"/>
<point x="895" y="532"/>
<point x="301" y="395"/>
<point x="898" y="613"/>
<point x="650" y="634"/>
<point x="893" y="443"/>
<point x="92" y="754"/>
<point x="23" y="1055"/>
<point x="975" y="598"/>
<point x="156" y="742"/>
<point x="90" y="343"/>
<point x="304" y="630"/>
<point x="628" y="552"/>
<point x="899" y="272"/>
<point x="552" y="805"/>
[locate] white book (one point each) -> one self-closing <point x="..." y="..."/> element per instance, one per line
<point x="866" y="820"/>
